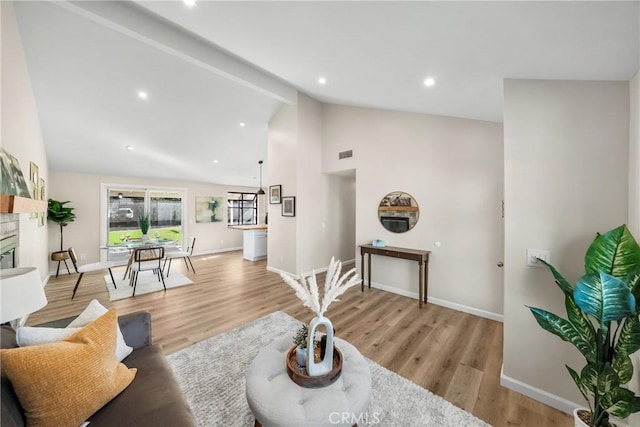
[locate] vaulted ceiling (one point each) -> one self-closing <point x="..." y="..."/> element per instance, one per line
<point x="209" y="68"/>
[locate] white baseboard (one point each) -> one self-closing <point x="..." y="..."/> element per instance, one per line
<point x="276" y="270"/>
<point x="444" y="303"/>
<point x="216" y="251"/>
<point x="545" y="397"/>
<point x="308" y="273"/>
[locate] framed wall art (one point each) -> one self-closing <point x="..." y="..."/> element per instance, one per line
<point x="275" y="192"/>
<point x="289" y="206"/>
<point x="208" y="209"/>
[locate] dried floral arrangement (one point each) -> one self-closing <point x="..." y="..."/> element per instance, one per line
<point x="335" y="285"/>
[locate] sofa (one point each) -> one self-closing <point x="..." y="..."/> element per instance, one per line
<point x="154" y="397"/>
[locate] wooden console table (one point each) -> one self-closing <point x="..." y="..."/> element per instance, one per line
<point x="422" y="257"/>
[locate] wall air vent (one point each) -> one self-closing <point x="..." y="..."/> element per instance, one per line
<point x="345" y="154"/>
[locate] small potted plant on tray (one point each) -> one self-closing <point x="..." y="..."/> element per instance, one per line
<point x="143" y="222"/>
<point x="603" y="323"/>
<point x="300" y="340"/>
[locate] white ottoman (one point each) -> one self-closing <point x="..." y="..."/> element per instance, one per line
<point x="276" y="400"/>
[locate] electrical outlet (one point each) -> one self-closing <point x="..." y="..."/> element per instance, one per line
<point x="534" y="254"/>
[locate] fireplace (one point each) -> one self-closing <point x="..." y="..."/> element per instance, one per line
<point x="9" y="226"/>
<point x="397" y="224"/>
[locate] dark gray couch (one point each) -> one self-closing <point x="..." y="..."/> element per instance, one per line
<point x="154" y="398"/>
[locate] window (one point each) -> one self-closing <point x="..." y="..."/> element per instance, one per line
<point x="242" y="208"/>
<point x="126" y="203"/>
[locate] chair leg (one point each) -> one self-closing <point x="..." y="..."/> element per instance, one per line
<point x="164" y="264"/>
<point x="163" y="285"/>
<point x="75" y="288"/>
<point x="169" y="269"/>
<point x="192" y="269"/>
<point x="112" y="279"/>
<point x="185" y="263"/>
<point x="134" y="277"/>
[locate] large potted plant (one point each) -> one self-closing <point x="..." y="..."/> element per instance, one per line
<point x="603" y="323"/>
<point x="61" y="215"/>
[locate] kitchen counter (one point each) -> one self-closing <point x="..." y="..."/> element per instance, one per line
<point x="250" y="227"/>
<point x="254" y="241"/>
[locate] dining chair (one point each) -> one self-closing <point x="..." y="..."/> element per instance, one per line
<point x="147" y="259"/>
<point x="88" y="268"/>
<point x="185" y="255"/>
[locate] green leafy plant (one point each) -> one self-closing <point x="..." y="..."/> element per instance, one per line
<point x="300" y="338"/>
<point x="603" y="323"/>
<point x="143" y="222"/>
<point x="61" y="215"/>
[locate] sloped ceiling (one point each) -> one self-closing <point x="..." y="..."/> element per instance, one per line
<point x="242" y="60"/>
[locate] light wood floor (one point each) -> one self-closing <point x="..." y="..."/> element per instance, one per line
<point x="455" y="355"/>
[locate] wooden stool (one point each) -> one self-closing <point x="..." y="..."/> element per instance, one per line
<point x="60" y="256"/>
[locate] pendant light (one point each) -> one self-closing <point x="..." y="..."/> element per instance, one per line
<point x="260" y="191"/>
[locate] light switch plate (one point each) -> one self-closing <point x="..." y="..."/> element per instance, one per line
<point x="533" y="254"/>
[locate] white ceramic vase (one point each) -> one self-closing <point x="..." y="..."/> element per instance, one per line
<point x="326" y="364"/>
<point x="301" y="356"/>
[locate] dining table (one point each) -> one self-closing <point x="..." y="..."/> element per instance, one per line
<point x="132" y="244"/>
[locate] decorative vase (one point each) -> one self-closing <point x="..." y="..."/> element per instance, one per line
<point x="326" y="364"/>
<point x="145" y="237"/>
<point x="301" y="356"/>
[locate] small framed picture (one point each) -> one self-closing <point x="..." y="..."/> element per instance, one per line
<point x="289" y="206"/>
<point x="275" y="192"/>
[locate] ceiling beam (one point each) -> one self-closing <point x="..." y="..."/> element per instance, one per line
<point x="132" y="21"/>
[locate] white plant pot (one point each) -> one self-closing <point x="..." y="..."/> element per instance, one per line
<point x="301" y="356"/>
<point x="578" y="422"/>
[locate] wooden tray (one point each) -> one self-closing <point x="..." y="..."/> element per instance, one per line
<point x="299" y="374"/>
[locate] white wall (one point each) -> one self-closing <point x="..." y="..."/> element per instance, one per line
<point x="324" y="225"/>
<point x="634" y="156"/>
<point x="21" y="135"/>
<point x="83" y="190"/>
<point x="282" y="149"/>
<point x="453" y="168"/>
<point x="566" y="147"/>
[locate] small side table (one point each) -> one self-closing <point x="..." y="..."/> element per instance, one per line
<point x="60" y="256"/>
<point x="275" y="399"/>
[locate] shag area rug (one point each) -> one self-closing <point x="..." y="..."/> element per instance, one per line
<point x="147" y="282"/>
<point x="212" y="376"/>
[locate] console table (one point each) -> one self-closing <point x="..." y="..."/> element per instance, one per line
<point x="422" y="257"/>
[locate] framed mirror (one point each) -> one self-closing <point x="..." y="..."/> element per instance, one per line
<point x="398" y="212"/>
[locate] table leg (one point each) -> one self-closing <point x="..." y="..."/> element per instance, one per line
<point x="361" y="270"/>
<point x="369" y="268"/>
<point x="421" y="283"/>
<point x="426" y="279"/>
<point x="128" y="264"/>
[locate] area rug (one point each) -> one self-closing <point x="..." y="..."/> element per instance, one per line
<point x="147" y="283"/>
<point x="212" y="376"/>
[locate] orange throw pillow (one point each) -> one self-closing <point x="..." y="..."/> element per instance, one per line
<point x="65" y="382"/>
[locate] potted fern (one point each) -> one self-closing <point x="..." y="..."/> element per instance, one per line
<point x="603" y="323"/>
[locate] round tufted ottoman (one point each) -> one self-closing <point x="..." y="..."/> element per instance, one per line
<point x="276" y="400"/>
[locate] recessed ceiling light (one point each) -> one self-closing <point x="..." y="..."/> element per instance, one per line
<point x="429" y="81"/>
<point x="243" y="124"/>
<point x="142" y="94"/>
<point x="215" y="161"/>
<point x="190" y="3"/>
<point x="322" y="80"/>
<point x="128" y="147"/>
